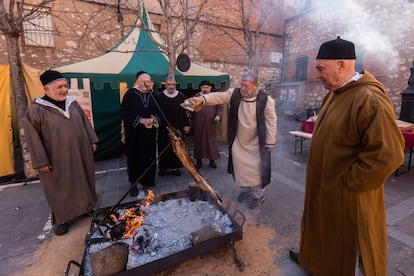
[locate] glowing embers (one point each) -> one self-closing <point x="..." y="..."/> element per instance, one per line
<point x="123" y="223"/>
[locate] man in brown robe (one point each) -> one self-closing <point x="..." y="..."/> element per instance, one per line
<point x="205" y="129"/>
<point x="356" y="145"/>
<point x="61" y="142"/>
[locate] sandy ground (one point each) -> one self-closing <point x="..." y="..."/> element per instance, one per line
<point x="54" y="254"/>
<point x="254" y="250"/>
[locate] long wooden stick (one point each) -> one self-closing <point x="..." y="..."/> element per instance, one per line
<point x="180" y="150"/>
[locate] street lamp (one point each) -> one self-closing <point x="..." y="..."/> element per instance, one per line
<point x="407" y="101"/>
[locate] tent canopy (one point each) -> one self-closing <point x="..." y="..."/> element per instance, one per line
<point x="112" y="72"/>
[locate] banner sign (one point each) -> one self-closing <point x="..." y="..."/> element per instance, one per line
<point x="82" y="96"/>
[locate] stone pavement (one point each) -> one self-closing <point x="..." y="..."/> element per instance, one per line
<point x="25" y="223"/>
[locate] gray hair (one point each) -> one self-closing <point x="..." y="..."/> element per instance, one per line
<point x="249" y="75"/>
<point x="142" y="75"/>
<point x="170" y="78"/>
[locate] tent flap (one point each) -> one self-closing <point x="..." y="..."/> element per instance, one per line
<point x="6" y="132"/>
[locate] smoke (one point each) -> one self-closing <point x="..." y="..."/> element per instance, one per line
<point x="367" y="26"/>
<point x="380" y="29"/>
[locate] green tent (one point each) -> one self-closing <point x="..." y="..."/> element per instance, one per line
<point x="135" y="52"/>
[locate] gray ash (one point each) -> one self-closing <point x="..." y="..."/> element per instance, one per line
<point x="166" y="230"/>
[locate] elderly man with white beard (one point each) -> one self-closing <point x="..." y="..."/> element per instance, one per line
<point x="251" y="135"/>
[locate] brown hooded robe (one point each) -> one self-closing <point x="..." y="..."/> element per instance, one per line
<point x="62" y="140"/>
<point x="205" y="131"/>
<point x="355" y="146"/>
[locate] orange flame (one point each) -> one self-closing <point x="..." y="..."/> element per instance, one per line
<point x="148" y="199"/>
<point x="133" y="224"/>
<point x="131" y="218"/>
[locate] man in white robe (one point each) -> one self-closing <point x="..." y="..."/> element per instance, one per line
<point x="252" y="135"/>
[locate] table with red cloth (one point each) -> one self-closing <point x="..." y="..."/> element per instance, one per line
<point x="407" y="130"/>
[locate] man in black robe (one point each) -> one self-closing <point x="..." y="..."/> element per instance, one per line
<point x="169" y="101"/>
<point x="141" y="119"/>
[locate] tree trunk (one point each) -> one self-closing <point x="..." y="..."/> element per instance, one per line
<point x="172" y="62"/>
<point x="19" y="91"/>
<point x="170" y="39"/>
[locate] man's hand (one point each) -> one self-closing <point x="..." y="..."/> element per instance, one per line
<point x="44" y="169"/>
<point x="198" y="101"/>
<point x="217" y="118"/>
<point x="193" y="104"/>
<point x="93" y="147"/>
<point x="147" y="122"/>
<point x="155" y="122"/>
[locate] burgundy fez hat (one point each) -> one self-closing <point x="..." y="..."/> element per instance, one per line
<point x="337" y="49"/>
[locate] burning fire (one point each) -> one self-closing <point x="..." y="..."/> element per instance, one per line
<point x="134" y="216"/>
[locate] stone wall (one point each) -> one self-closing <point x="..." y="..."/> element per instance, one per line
<point x="81" y="30"/>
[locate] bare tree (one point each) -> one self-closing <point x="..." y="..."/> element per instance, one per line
<point x="100" y="20"/>
<point x="253" y="15"/>
<point x="180" y="20"/>
<point x="11" y="22"/>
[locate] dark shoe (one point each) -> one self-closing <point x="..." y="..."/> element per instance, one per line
<point x="256" y="202"/>
<point x="199" y="164"/>
<point x="213" y="164"/>
<point x="162" y="173"/>
<point x="133" y="191"/>
<point x="242" y="196"/>
<point x="294" y="256"/>
<point x="61" y="229"/>
<point x="176" y="172"/>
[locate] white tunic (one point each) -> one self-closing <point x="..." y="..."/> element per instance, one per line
<point x="245" y="149"/>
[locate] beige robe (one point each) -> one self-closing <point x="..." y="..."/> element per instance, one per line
<point x="245" y="149"/>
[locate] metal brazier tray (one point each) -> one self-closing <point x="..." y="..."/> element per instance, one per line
<point x="174" y="259"/>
